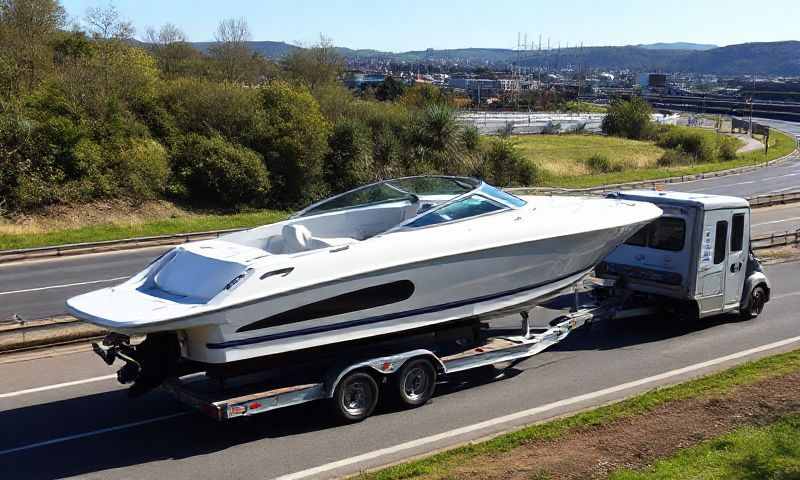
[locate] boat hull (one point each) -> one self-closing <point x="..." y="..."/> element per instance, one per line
<point x="479" y="284"/>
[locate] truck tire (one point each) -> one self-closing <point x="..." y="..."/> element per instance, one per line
<point x="355" y="397"/>
<point x="415" y="383"/>
<point x="758" y="297"/>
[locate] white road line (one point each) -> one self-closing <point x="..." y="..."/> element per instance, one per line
<point x="65" y="285"/>
<point x="56" y="386"/>
<point x="92" y="433"/>
<point x="527" y="413"/>
<point x="796" y="187"/>
<point x="434" y="438"/>
<point x="775" y="221"/>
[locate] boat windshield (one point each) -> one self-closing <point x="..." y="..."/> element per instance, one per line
<point x="401" y="189"/>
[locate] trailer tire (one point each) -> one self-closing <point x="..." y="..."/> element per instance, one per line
<point x="758" y="297"/>
<point x="355" y="396"/>
<point x="415" y="383"/>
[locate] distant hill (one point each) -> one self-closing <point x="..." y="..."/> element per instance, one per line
<point x="773" y="58"/>
<point x="678" y="46"/>
<point x="769" y="58"/>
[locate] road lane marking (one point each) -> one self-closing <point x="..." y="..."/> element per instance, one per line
<point x="65" y="285"/>
<point x="775" y="221"/>
<point x="444" y="435"/>
<point x="796" y="187"/>
<point x="527" y="413"/>
<point x="92" y="433"/>
<point x="57" y="386"/>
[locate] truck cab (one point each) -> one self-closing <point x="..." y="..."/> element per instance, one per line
<point x="697" y="253"/>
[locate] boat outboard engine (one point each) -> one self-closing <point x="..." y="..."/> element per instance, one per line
<point x="147" y="364"/>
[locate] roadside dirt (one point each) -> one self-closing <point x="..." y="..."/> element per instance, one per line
<point x="57" y="217"/>
<point x="636" y="442"/>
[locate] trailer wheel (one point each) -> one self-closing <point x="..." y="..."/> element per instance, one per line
<point x="758" y="297"/>
<point x="355" y="396"/>
<point x="415" y="383"/>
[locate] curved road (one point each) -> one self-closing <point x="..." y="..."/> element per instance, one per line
<point x="88" y="428"/>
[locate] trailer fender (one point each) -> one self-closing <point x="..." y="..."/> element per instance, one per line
<point x="752" y="281"/>
<point x="382" y="365"/>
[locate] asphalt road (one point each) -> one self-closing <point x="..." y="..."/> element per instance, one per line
<point x="35" y="290"/>
<point x="92" y="430"/>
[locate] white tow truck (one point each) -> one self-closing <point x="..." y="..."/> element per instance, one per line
<point x="694" y="262"/>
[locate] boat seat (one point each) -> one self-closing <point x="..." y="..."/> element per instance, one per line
<point x="297" y="238"/>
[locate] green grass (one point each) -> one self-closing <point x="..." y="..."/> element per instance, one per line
<point x="780" y="145"/>
<point x="96" y="233"/>
<point x="564" y="156"/>
<point x="442" y="464"/>
<point x="771" y="452"/>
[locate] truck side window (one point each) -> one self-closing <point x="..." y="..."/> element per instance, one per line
<point x="737" y="232"/>
<point x="667" y="233"/>
<point x="720" y="241"/>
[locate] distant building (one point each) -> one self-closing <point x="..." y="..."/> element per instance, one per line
<point x="359" y="81"/>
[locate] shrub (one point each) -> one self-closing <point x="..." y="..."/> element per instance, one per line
<point x="207" y="107"/>
<point x="471" y="138"/>
<point x="728" y="147"/>
<point x="673" y="157"/>
<point x="599" y="163"/>
<point x="211" y="170"/>
<point x="629" y="119"/>
<point x="349" y="162"/>
<point x="697" y="144"/>
<point x="292" y="136"/>
<point x="143" y="169"/>
<point x="504" y="165"/>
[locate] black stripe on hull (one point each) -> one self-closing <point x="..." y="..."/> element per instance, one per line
<point x="382" y="318"/>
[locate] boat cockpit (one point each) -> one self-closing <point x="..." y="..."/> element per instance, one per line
<point x="378" y="208"/>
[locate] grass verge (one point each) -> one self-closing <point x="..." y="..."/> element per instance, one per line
<point x="780" y="145"/>
<point x="772" y="451"/>
<point x="440" y="465"/>
<point x="97" y="233"/>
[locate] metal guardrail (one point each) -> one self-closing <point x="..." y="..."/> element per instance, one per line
<point x="776" y="240"/>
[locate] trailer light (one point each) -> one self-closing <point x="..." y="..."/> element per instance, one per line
<point x="254" y="405"/>
<point x="236" y="410"/>
<point x="386" y="366"/>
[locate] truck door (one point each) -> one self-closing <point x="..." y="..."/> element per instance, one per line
<point x="714" y="260"/>
<point x="737" y="256"/>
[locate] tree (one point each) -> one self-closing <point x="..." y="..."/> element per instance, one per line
<point x="389" y="90"/>
<point x="26" y="28"/>
<point x="175" y="55"/>
<point x="318" y="65"/>
<point x="349" y="162"/>
<point x="629" y="119"/>
<point x="231" y="51"/>
<point x="292" y="138"/>
<point x="108" y="23"/>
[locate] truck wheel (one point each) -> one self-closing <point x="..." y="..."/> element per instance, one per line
<point x="758" y="297"/>
<point x="355" y="397"/>
<point x="415" y="383"/>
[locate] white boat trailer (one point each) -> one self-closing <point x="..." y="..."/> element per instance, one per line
<point x="353" y="385"/>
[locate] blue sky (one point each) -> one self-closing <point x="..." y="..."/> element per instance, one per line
<point x="418" y="24"/>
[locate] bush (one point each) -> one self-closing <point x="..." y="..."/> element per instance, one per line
<point x="699" y="145"/>
<point x="504" y="165"/>
<point x="292" y="137"/>
<point x="213" y="171"/>
<point x="598" y="163"/>
<point x="143" y="169"/>
<point x="674" y="157"/>
<point x="471" y="138"/>
<point x="629" y="119"/>
<point x="349" y="162"/>
<point x="728" y="147"/>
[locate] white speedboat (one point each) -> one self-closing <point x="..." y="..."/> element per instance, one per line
<point x="389" y="257"/>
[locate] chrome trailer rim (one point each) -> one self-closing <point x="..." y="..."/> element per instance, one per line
<point x="356" y="398"/>
<point x="416" y="383"/>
